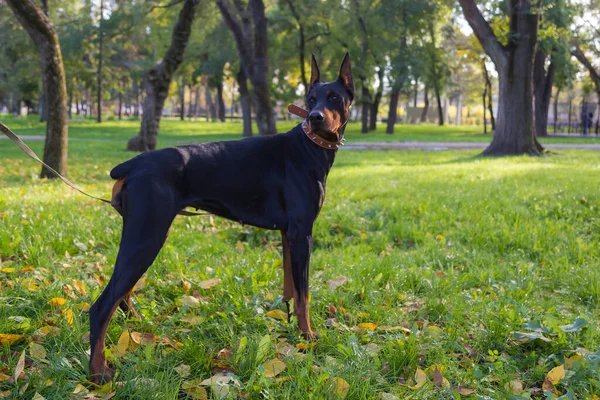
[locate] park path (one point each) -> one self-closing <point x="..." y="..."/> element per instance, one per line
<point x="439" y="146"/>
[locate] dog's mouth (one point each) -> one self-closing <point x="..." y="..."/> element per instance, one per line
<point x="325" y="132"/>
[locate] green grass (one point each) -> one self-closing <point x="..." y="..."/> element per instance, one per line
<point x="461" y="252"/>
<point x="174" y="131"/>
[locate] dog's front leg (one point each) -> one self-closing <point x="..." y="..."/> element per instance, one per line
<point x="299" y="247"/>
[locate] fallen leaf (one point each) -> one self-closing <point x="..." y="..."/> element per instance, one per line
<point x="305" y="346"/>
<point x="556" y="374"/>
<point x="183" y="370"/>
<point x="9" y="338"/>
<point x="37" y="350"/>
<point x="337" y="282"/>
<point x="515" y="386"/>
<point x="464" y="391"/>
<point x="190" y="301"/>
<point x="273" y="368"/>
<point x="69" y="317"/>
<point x="575" y="326"/>
<point x="437" y="377"/>
<point x="122" y="344"/>
<point x="207" y="284"/>
<point x="388" y="396"/>
<point x="239" y="245"/>
<point x="372" y="349"/>
<point x="277" y="314"/>
<point x="20" y="366"/>
<point x="80" y="389"/>
<point x="85" y="307"/>
<point x="547" y="385"/>
<point x="368" y="326"/>
<point x="221" y="379"/>
<point x="142" y="338"/>
<point x="332" y="310"/>
<point x="420" y="379"/>
<point x="38" y="396"/>
<point x="80" y="287"/>
<point x="57" y="301"/>
<point x="341" y="387"/>
<point x="569" y="362"/>
<point x="224" y="354"/>
<point x="4" y="377"/>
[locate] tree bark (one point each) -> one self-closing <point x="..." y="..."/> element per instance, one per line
<point x="543" y="82"/>
<point x="100" y="56"/>
<point x="197" y="102"/>
<point x="376" y="101"/>
<point x="245" y="103"/>
<point x="249" y="28"/>
<point x="426" y="107"/>
<point x="393" y="112"/>
<point x="515" y="130"/>
<point x="158" y="79"/>
<point x="44" y="36"/>
<point x="182" y="100"/>
<point x="484" y="96"/>
<point x="366" y="102"/>
<point x="220" y="100"/>
<point x="416" y="93"/>
<point x="211" y="110"/>
<point x="436" y="87"/>
<point x="119" y="112"/>
<point x="594" y="75"/>
<point x="570" y="111"/>
<point x="556" y="97"/>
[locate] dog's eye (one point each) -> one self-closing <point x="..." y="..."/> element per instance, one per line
<point x="311" y="102"/>
<point x="334" y="98"/>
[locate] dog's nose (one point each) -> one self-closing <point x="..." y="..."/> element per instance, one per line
<point x="316" y="117"/>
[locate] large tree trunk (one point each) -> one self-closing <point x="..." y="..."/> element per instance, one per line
<point x="375" y="104"/>
<point x="251" y="39"/>
<point x="484" y="97"/>
<point x="158" y="79"/>
<point x="366" y="102"/>
<point x="182" y="100"/>
<point x="426" y="107"/>
<point x="100" y="56"/>
<point x="211" y="110"/>
<point x="515" y="129"/>
<point x="393" y="112"/>
<point x="46" y="41"/>
<point x="197" y="102"/>
<point x="488" y="91"/>
<point x="543" y="81"/>
<point x="458" y="118"/>
<point x="220" y="100"/>
<point x="245" y="103"/>
<point x="440" y="108"/>
<point x="594" y="75"/>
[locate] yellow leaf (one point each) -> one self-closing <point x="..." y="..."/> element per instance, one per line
<point x="80" y="389"/>
<point x="122" y="344"/>
<point x="8" y="338"/>
<point x="38" y="396"/>
<point x="277" y="314"/>
<point x="183" y="370"/>
<point x="69" y="317"/>
<point x="190" y="301"/>
<point x="341" y="387"/>
<point x="85" y="307"/>
<point x="569" y="362"/>
<point x="4" y="377"/>
<point x="37" y="350"/>
<point x="465" y="392"/>
<point x="239" y="245"/>
<point x="20" y="366"/>
<point x="7" y="270"/>
<point x="515" y="386"/>
<point x="57" y="301"/>
<point x="273" y="368"/>
<point x="80" y="287"/>
<point x="305" y="346"/>
<point x="47" y="331"/>
<point x="556" y="374"/>
<point x="367" y="325"/>
<point x="363" y="235"/>
<point x="420" y="378"/>
<point x="197" y="393"/>
<point x="207" y="284"/>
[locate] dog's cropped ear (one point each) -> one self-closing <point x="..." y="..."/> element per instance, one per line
<point x="345" y="77"/>
<point x="315" y="75"/>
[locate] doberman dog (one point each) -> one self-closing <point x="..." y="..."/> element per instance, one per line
<point x="274" y="182"/>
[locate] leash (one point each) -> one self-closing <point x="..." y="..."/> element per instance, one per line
<point x="17" y="140"/>
<point x="316" y="139"/>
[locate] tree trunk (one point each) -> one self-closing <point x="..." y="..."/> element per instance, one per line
<point x="375" y="104"/>
<point x="458" y="118"/>
<point x="436" y="87"/>
<point x="14" y="104"/>
<point x="251" y="39"/>
<point x="515" y="129"/>
<point x="46" y="41"/>
<point x="182" y="100"/>
<point x="245" y="102"/>
<point x="70" y="103"/>
<point x="197" y="102"/>
<point x="120" y="104"/>
<point x="570" y="111"/>
<point x="393" y="112"/>
<point x="484" y="107"/>
<point x="416" y="93"/>
<point x="366" y="101"/>
<point x="426" y="107"/>
<point x="220" y="100"/>
<point x="211" y="111"/>
<point x="43" y="107"/>
<point x="556" y="97"/>
<point x="488" y="90"/>
<point x="543" y="81"/>
<point x="158" y="79"/>
<point x="99" y="71"/>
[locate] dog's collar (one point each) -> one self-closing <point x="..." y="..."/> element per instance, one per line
<point x="316" y="139"/>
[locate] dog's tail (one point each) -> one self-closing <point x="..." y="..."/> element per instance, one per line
<point x="121" y="170"/>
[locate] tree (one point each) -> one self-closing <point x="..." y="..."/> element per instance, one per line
<point x="39" y="28"/>
<point x="158" y="79"/>
<point x="593" y="71"/>
<point x="515" y="129"/>
<point x="248" y="23"/>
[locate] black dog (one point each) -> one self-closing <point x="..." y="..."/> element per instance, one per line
<point x="272" y="182"/>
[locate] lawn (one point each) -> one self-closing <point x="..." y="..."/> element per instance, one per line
<point x="434" y="275"/>
<point x="174" y="131"/>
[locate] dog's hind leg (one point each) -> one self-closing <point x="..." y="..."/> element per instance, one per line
<point x="127" y="306"/>
<point x="148" y="211"/>
<point x="288" y="279"/>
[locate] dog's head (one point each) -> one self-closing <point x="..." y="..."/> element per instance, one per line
<point x="329" y="102"/>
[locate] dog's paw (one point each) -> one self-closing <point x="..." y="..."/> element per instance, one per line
<point x="103" y="376"/>
<point x="311" y="336"/>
